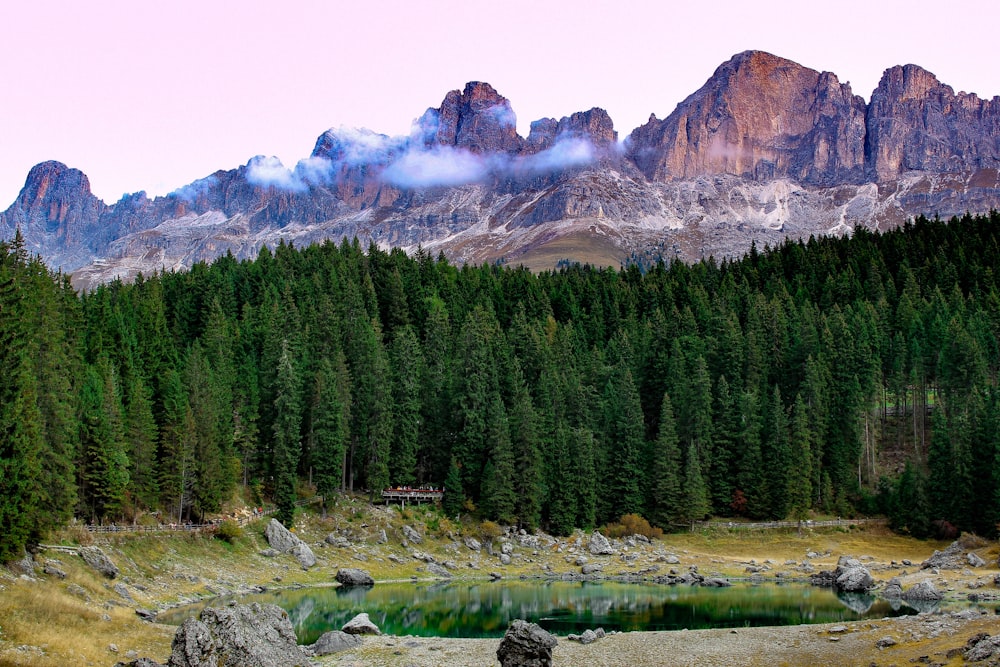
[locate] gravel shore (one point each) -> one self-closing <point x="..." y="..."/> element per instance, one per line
<point x="890" y="641"/>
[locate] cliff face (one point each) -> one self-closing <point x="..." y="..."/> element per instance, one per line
<point x="760" y="117"/>
<point x="765" y="149"/>
<point x="916" y="123"/>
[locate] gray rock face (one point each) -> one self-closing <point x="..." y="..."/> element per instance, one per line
<point x="97" y="559"/>
<point x="438" y="571"/>
<point x="252" y="635"/>
<point x="334" y="642"/>
<point x="350" y="576"/>
<point x="304" y="555"/>
<point x="975" y="560"/>
<point x="982" y="647"/>
<point x="361" y="625"/>
<point x="599" y="545"/>
<point x="412" y="535"/>
<point x="279" y="537"/>
<point x="283" y="540"/>
<point x="139" y="662"/>
<point x="850" y="576"/>
<point x="526" y="645"/>
<point x="922" y="591"/>
<point x="893" y="589"/>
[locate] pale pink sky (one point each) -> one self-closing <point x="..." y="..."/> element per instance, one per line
<point x="144" y="95"/>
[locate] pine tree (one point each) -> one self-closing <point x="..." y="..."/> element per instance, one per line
<point x="287" y="437"/>
<point x="667" y="495"/>
<point x="800" y="464"/>
<point x="525" y="442"/>
<point x="331" y="413"/>
<point x="498" y="497"/>
<point x="104" y="465"/>
<point x="694" y="502"/>
<point x="453" y="499"/>
<point x="407" y="383"/>
<point x="623" y="444"/>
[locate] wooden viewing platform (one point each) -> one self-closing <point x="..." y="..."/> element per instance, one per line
<point x="414" y="495"/>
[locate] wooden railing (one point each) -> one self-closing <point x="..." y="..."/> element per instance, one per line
<point x="765" y="525"/>
<point x="191" y="527"/>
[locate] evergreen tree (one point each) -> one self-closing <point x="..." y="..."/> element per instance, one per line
<point x="331" y="413"/>
<point x="407" y="384"/>
<point x="799" y="479"/>
<point x="498" y="498"/>
<point x="453" y="499"/>
<point x="667" y="497"/>
<point x="287" y="437"/>
<point x="694" y="502"/>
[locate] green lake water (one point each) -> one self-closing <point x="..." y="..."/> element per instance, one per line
<point x="486" y="609"/>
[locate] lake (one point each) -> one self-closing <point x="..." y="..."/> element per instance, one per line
<point x="486" y="609"/>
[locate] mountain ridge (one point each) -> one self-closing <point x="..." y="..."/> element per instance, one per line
<point x="765" y="149"/>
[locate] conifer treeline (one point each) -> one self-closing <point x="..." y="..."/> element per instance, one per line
<point x="765" y="387"/>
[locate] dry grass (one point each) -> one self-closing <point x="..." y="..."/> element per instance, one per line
<point x="46" y="626"/>
<point x="60" y="628"/>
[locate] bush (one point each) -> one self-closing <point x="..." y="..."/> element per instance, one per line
<point x="632" y="524"/>
<point x="489" y="531"/>
<point x="228" y="531"/>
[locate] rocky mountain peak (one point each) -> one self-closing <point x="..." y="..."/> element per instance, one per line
<point x="477" y="119"/>
<point x="916" y="123"/>
<point x="760" y="117"/>
<point x="55" y="200"/>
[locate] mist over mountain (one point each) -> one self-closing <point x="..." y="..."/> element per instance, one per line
<point x="764" y="150"/>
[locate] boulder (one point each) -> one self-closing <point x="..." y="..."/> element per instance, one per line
<point x="505" y="559"/>
<point x="97" y="559"/>
<point x="54" y="571"/>
<point x="146" y="614"/>
<point x="923" y="590"/>
<point x="412" y="535"/>
<point x="139" y="662"/>
<point x="581" y="560"/>
<point x="982" y="647"/>
<point x="438" y="571"/>
<point x="338" y="541"/>
<point x="473" y="544"/>
<point x="893" y="589"/>
<point x="253" y="635"/>
<point x="334" y="642"/>
<point x="303" y="554"/>
<point x="599" y="545"/>
<point x="526" y="645"/>
<point x="974" y="560"/>
<point x="361" y="625"/>
<point x="855" y="580"/>
<point x="123" y="593"/>
<point x="279" y="537"/>
<point x="270" y="553"/>
<point x="850" y="576"/>
<point x="349" y="576"/>
<point x="952" y="558"/>
<point x="588" y="637"/>
<point x="591" y="568"/>
<point x="716" y="582"/>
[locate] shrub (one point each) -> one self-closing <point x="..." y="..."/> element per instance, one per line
<point x="228" y="531"/>
<point x="489" y="531"/>
<point x="632" y="524"/>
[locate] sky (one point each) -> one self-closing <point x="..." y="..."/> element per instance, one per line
<point x="153" y="95"/>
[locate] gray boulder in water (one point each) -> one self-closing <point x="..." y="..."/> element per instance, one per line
<point x="526" y="645"/>
<point x="351" y="576"/>
<point x="253" y="635"/>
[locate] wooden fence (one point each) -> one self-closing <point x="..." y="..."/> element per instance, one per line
<point x="767" y="525"/>
<point x="191" y="527"/>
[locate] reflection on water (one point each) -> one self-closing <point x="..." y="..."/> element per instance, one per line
<point x="486" y="609"/>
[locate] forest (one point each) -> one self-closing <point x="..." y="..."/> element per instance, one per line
<point x="838" y="375"/>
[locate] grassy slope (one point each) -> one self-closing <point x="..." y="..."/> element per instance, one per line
<point x="43" y="623"/>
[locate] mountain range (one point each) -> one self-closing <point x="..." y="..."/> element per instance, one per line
<point x="766" y="149"/>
